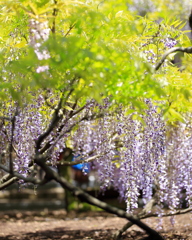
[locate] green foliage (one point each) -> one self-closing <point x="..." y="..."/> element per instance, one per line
<point x="97" y="49"/>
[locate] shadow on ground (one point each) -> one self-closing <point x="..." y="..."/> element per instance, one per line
<point x="60" y="233"/>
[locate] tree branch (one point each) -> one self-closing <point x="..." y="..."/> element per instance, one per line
<point x="94" y="201"/>
<point x="55" y="11"/>
<point x="146" y="213"/>
<point x="54" y="121"/>
<point x="48" y="145"/>
<point x="171" y="213"/>
<point x="5" y="178"/>
<point x="8" y="183"/>
<point x="148" y="208"/>
<point x="55" y="118"/>
<point x="11" y="141"/>
<point x="172" y="50"/>
<point x="19" y="176"/>
<point x="119" y="233"/>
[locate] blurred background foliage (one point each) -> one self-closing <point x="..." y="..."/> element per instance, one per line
<point x="98" y="49"/>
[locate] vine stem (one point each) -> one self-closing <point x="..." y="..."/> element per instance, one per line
<point x="172" y="50"/>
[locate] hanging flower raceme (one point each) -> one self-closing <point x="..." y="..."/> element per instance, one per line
<point x="135" y="157"/>
<point x="28" y="125"/>
<point x="39" y="33"/>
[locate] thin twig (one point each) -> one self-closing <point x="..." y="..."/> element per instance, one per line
<point x="69" y="30"/>
<point x="70" y="89"/>
<point x="79" y="110"/>
<point x="171" y="213"/>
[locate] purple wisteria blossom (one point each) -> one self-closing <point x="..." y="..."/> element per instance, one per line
<point x="39" y="33"/>
<point x="138" y="157"/>
<point x="169" y="42"/>
<point x="131" y="155"/>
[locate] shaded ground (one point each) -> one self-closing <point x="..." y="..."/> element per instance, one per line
<point x="55" y="225"/>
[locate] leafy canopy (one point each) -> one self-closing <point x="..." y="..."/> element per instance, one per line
<point x="97" y="49"/>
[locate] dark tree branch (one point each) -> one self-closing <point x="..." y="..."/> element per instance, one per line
<point x="8" y="183"/>
<point x="55" y="119"/>
<point x="119" y="233"/>
<point x="9" y="179"/>
<point x="12" y="180"/>
<point x="55" y="11"/>
<point x="146" y="212"/>
<point x="172" y="50"/>
<point x="94" y="201"/>
<point x="70" y="128"/>
<point x="11" y="141"/>
<point x="70" y="92"/>
<point x="178" y="212"/>
<point x="19" y="176"/>
<point x="79" y="110"/>
<point x="48" y="144"/>
<point x="5" y="178"/>
<point x="57" y="116"/>
<point x="86" y="117"/>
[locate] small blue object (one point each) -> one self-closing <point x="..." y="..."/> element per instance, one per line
<point x="81" y="166"/>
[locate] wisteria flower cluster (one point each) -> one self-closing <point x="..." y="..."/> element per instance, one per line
<point x="151" y="56"/>
<point x="28" y="126"/>
<point x="130" y="155"/>
<point x="39" y="33"/>
<point x="169" y="42"/>
<point x="137" y="157"/>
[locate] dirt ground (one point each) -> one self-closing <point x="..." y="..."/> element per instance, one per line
<point x="28" y="225"/>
